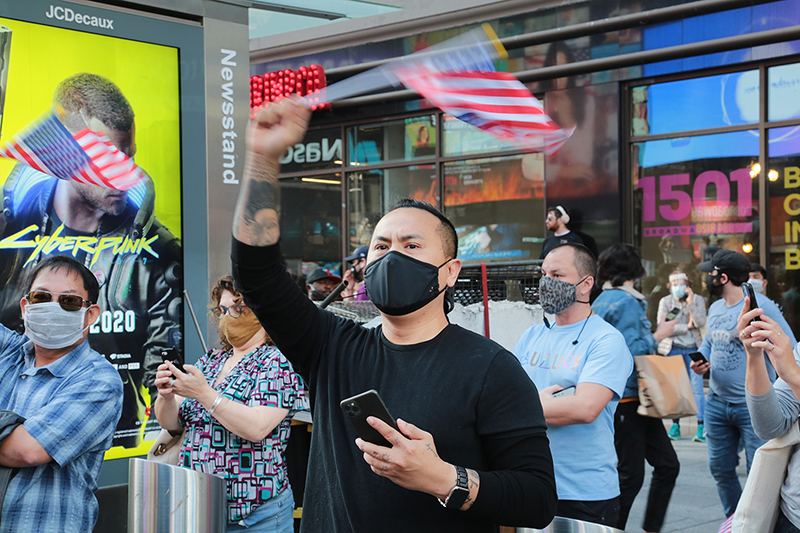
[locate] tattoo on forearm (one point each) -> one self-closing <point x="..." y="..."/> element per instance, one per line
<point x="474" y="484"/>
<point x="257" y="211"/>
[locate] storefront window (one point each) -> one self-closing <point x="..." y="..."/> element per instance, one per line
<point x="320" y="149"/>
<point x="460" y="138"/>
<point x="783" y="182"/>
<point x="311" y="221"/>
<point x="685" y="105"/>
<point x="394" y="140"/>
<point x="371" y="194"/>
<point x="497" y="206"/>
<point x="692" y="197"/>
<point x="783" y="98"/>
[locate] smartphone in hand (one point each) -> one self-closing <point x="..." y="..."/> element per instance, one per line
<point x="698" y="357"/>
<point x="674" y="312"/>
<point x="357" y="408"/>
<point x="569" y="391"/>
<point x="748" y="291"/>
<point x="173" y="356"/>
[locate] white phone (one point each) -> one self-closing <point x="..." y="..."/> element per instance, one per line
<point x="569" y="391"/>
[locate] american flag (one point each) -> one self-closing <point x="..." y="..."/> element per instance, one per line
<point x="495" y="102"/>
<point x="86" y="157"/>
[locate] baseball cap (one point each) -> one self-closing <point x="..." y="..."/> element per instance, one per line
<point x="321" y="273"/>
<point x="727" y="261"/>
<point x="359" y="253"/>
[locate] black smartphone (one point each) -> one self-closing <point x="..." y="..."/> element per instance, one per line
<point x="173" y="355"/>
<point x="359" y="407"/>
<point x="697" y="356"/>
<point x="673" y="313"/>
<point x="748" y="291"/>
<point x="569" y="391"/>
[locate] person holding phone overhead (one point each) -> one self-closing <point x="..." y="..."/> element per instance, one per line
<point x="470" y="451"/>
<point x="236" y="405"/>
<point x="726" y="417"/>
<point x="689" y="323"/>
<point x="636" y="438"/>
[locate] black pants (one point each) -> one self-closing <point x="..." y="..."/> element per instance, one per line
<point x="784" y="525"/>
<point x="638" y="438"/>
<point x="604" y="512"/>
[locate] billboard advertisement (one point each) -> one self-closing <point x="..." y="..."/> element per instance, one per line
<point x="130" y="240"/>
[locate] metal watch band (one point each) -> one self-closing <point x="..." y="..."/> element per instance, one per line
<point x="458" y="494"/>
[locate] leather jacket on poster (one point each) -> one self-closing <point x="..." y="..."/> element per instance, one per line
<point x="137" y="261"/>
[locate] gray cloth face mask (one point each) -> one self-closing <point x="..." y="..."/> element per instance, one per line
<point x="556" y="295"/>
<point x="50" y="326"/>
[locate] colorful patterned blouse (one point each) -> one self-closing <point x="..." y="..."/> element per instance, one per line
<point x="254" y="471"/>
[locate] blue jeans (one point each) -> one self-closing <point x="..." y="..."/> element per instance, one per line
<point x="274" y="516"/>
<point x="695" y="379"/>
<point x="726" y="424"/>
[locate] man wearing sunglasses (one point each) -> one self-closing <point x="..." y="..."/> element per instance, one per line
<point x="69" y="396"/>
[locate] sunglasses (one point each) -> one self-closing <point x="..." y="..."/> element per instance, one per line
<point x="234" y="311"/>
<point x="68" y="302"/>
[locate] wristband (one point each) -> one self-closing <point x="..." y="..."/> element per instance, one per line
<point x="216" y="404"/>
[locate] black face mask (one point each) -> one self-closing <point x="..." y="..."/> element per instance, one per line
<point x="399" y="284"/>
<point x="713" y="288"/>
<point x="318" y="296"/>
<point x="358" y="273"/>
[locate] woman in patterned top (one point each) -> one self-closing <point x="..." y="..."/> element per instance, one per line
<point x="236" y="405"/>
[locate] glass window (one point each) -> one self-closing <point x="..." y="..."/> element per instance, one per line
<point x="699" y="103"/>
<point x="783" y="98"/>
<point x="692" y="197"/>
<point x="319" y="149"/>
<point x="783" y="185"/>
<point x="371" y="194"/>
<point x="393" y="140"/>
<point x="497" y="206"/>
<point x="311" y="221"/>
<point x="460" y="138"/>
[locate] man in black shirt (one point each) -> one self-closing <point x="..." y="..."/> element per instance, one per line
<point x="471" y="452"/>
<point x="556" y="221"/>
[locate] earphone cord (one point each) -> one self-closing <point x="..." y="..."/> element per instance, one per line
<point x="583" y="326"/>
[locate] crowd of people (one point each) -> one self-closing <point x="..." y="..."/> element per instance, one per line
<point x="483" y="437"/>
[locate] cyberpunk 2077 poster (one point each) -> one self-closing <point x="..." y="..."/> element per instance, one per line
<point x="130" y="240"/>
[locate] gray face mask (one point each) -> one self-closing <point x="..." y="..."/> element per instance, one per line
<point x="50" y="326"/>
<point x="556" y="295"/>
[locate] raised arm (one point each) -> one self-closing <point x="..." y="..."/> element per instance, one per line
<point x="281" y="125"/>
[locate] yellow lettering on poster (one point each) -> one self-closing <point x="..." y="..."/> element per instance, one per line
<point x="792" y="258"/>
<point x="791" y="177"/>
<point x="787" y="204"/>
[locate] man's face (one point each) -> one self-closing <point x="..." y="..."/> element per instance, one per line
<point x="357" y="267"/>
<point x="413" y="232"/>
<point x="756" y="275"/>
<point x="109" y="201"/>
<point x="62" y="281"/>
<point x="560" y="264"/>
<point x="322" y="287"/>
<point x="551" y="221"/>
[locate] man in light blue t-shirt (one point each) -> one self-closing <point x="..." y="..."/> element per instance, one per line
<point x="588" y="357"/>
<point x="726" y="418"/>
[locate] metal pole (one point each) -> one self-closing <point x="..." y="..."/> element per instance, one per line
<point x="610" y="63"/>
<point x="196" y="323"/>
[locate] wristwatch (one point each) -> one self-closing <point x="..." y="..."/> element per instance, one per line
<point x="458" y="494"/>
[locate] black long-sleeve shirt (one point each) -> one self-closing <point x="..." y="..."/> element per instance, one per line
<point x="467" y="391"/>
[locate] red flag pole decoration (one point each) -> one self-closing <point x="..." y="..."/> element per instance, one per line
<point x="86" y="157"/>
<point x="495" y="102"/>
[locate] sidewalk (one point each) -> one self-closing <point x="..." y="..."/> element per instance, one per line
<point x="695" y="506"/>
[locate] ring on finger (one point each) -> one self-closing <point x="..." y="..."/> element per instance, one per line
<point x="744" y="335"/>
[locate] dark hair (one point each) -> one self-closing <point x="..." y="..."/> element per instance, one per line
<point x="446" y="229"/>
<point x="737" y="278"/>
<point x="226" y="283"/>
<point x="755" y="267"/>
<point x="584" y="260"/>
<point x="618" y="264"/>
<point x="58" y="262"/>
<point x="98" y="97"/>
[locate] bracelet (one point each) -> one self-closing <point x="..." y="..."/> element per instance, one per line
<point x="216" y="404"/>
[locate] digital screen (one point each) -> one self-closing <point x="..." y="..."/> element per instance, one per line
<point x="130" y="241"/>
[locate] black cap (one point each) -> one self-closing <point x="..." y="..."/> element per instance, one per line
<point x="322" y="273"/>
<point x="359" y="253"/>
<point x="727" y="261"/>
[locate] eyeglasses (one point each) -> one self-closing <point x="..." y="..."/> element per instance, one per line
<point x="234" y="311"/>
<point x="68" y="302"/>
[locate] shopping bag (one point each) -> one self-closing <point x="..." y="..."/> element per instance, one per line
<point x="758" y="506"/>
<point x="664" y="387"/>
